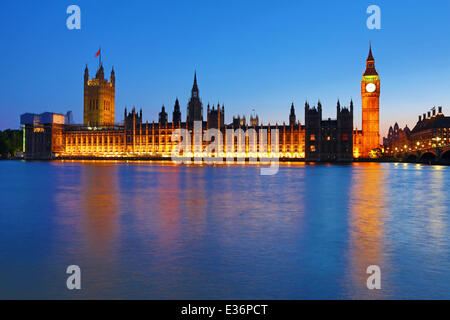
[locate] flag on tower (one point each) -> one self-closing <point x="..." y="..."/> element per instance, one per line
<point x="99" y="55"/>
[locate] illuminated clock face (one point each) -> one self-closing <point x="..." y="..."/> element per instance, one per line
<point x="371" y="87"/>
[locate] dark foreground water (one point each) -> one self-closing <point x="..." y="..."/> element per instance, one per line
<point x="156" y="231"/>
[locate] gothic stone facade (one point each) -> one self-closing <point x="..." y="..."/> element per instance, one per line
<point x="329" y="140"/>
<point x="101" y="137"/>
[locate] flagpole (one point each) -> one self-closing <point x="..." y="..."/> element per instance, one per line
<point x="100" y="57"/>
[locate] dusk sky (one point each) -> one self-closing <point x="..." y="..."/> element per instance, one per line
<point x="248" y="55"/>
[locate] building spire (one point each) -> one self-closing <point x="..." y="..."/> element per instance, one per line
<point x="370" y="57"/>
<point x="370" y="64"/>
<point x="86" y="74"/>
<point x="195" y="87"/>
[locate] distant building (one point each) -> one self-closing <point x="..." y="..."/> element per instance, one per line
<point x="43" y="134"/>
<point x="397" y="139"/>
<point x="239" y="121"/>
<point x="254" y="120"/>
<point x="431" y="131"/>
<point x="69" y="118"/>
<point x="43" y="118"/>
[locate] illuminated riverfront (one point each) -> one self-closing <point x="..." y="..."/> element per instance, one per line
<point x="52" y="136"/>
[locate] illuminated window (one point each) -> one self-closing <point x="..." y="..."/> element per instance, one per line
<point x="344" y="137"/>
<point x="328" y="138"/>
<point x="312" y="148"/>
<point x="312" y="137"/>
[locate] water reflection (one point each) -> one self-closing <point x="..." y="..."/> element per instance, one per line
<point x="100" y="208"/>
<point x="366" y="221"/>
<point x="146" y="230"/>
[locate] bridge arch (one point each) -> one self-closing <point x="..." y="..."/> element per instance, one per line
<point x="446" y="155"/>
<point x="428" y="157"/>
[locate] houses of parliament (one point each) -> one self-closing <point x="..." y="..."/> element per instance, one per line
<point x="54" y="136"/>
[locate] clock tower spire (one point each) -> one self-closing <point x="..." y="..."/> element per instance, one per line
<point x="370" y="94"/>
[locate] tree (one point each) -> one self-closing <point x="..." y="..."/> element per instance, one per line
<point x="10" y="142"/>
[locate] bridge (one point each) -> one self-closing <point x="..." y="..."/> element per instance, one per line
<point x="440" y="154"/>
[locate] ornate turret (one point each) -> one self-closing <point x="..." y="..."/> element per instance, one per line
<point x="163" y="116"/>
<point x="100" y="73"/>
<point x="292" y="117"/>
<point x="176" y="115"/>
<point x="113" y="77"/>
<point x="86" y="75"/>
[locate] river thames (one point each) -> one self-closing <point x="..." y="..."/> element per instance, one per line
<point x="161" y="231"/>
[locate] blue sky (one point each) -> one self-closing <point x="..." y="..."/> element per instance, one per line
<point x="259" y="55"/>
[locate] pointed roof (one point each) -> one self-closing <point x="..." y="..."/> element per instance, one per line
<point x="195" y="87"/>
<point x="370" y="64"/>
<point x="370" y="57"/>
<point x="100" y="73"/>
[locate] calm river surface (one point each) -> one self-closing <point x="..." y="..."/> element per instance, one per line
<point x="159" y="231"/>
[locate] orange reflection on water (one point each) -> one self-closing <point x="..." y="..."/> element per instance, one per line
<point x="157" y="207"/>
<point x="366" y="227"/>
<point x="100" y="207"/>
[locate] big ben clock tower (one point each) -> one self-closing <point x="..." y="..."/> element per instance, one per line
<point x="370" y="94"/>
